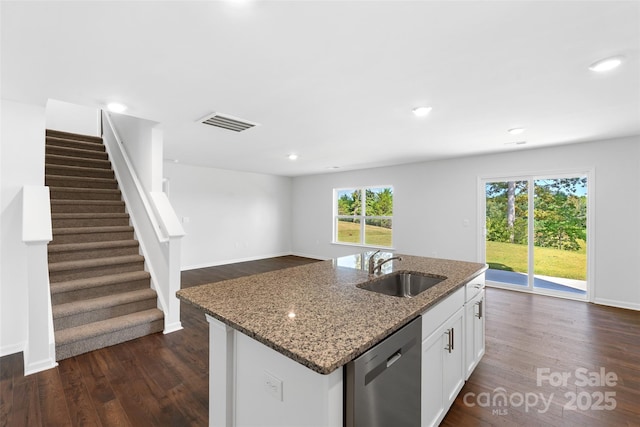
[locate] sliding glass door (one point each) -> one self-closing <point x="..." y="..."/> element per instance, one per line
<point x="536" y="233"/>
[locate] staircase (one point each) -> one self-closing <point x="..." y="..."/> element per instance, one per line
<point x="100" y="292"/>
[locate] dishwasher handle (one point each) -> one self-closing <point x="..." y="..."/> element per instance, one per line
<point x="394" y="358"/>
<point x="372" y="372"/>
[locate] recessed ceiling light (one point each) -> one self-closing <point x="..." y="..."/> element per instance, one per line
<point x="606" y="64"/>
<point x="292" y="156"/>
<point x="116" y="107"/>
<point x="421" y="111"/>
<point x="516" y="131"/>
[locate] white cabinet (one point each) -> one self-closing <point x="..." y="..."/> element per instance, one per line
<point x="443" y="372"/>
<point x="474" y="332"/>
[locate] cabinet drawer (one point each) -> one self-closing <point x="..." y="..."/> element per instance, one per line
<point x="474" y="286"/>
<point x="439" y="313"/>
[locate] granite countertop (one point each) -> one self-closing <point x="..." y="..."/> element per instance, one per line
<point x="315" y="314"/>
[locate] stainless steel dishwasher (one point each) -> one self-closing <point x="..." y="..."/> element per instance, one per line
<point x="382" y="386"/>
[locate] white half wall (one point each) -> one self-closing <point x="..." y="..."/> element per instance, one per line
<point x="434" y="201"/>
<point x="229" y="216"/>
<point x="22" y="141"/>
<point x="142" y="139"/>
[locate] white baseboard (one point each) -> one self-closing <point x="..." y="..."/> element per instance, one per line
<point x="175" y="326"/>
<point x="618" y="304"/>
<point x="599" y="301"/>
<point x="12" y="349"/>
<point x="43" y="365"/>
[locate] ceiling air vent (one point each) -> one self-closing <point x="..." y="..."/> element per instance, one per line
<point x="227" y="122"/>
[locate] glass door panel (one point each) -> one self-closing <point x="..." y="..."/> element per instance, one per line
<point x="506" y="225"/>
<point x="560" y="235"/>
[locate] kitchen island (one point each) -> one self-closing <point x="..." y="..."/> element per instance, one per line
<point x="314" y="315"/>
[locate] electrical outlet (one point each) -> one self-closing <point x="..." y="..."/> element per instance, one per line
<point x="273" y="386"/>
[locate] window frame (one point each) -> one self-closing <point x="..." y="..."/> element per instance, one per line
<point x="362" y="218"/>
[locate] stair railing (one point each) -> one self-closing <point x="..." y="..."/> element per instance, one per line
<point x="156" y="225"/>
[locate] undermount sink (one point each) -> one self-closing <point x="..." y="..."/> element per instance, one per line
<point x="402" y="284"/>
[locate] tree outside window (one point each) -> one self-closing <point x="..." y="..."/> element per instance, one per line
<point x="364" y="216"/>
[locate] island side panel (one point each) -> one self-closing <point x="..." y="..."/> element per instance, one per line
<point x="273" y="390"/>
<point x="221" y="373"/>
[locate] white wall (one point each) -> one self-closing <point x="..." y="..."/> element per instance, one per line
<point x="22" y="163"/>
<point x="73" y="118"/>
<point x="433" y="199"/>
<point x="232" y="216"/>
<point x="142" y="139"/>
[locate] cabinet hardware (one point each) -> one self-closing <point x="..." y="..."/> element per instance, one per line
<point x="449" y="346"/>
<point x="479" y="304"/>
<point x="452" y="337"/>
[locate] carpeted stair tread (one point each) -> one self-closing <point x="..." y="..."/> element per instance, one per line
<point x="80" y="181"/>
<point x="103" y="327"/>
<point x="89" y="230"/>
<point x="82" y="190"/>
<point x="94" y="262"/>
<point x="64" y="247"/>
<point x="95" y="282"/>
<point x="74" y="219"/>
<point x="87" y="202"/>
<point x="87" y="206"/>
<point x="82" y="171"/>
<point x="75" y="152"/>
<point x="73" y="193"/>
<point x="52" y="133"/>
<point x="72" y="308"/>
<point x="74" y="215"/>
<point x="53" y="141"/>
<point x="101" y="335"/>
<point x="55" y="159"/>
<point x="91" y="234"/>
<point x="89" y="250"/>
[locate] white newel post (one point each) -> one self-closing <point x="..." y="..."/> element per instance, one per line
<point x="173" y="232"/>
<point x="172" y="317"/>
<point x="40" y="350"/>
<point x="221" y="378"/>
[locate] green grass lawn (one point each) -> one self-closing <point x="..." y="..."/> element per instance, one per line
<point x="349" y="232"/>
<point x="548" y="261"/>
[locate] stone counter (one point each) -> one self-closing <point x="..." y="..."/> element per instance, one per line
<point x="315" y="314"/>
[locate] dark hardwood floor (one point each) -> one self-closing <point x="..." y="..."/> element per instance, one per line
<point x="162" y="380"/>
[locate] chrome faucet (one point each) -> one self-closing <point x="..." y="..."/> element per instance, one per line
<point x="377" y="268"/>
<point x="372" y="262"/>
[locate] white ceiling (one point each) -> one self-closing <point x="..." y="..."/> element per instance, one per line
<point x="335" y="81"/>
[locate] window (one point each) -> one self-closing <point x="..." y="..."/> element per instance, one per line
<point x="368" y="223"/>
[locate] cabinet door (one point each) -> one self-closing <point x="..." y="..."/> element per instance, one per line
<point x="433" y="349"/>
<point x="453" y="373"/>
<point x="442" y="369"/>
<point x="475" y="332"/>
